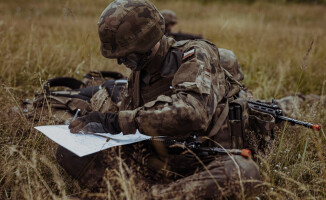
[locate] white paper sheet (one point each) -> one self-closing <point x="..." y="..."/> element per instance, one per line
<point x="85" y="144"/>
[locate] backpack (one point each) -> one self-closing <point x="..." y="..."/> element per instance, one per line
<point x="98" y="91"/>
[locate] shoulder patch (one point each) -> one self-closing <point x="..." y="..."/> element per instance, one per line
<point x="188" y="54"/>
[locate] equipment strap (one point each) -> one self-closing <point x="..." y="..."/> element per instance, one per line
<point x="62" y="81"/>
<point x="220" y="120"/>
<point x="104" y="74"/>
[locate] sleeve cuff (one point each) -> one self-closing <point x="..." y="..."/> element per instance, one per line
<point x="127" y="121"/>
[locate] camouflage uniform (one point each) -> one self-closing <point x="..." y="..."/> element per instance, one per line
<point x="170" y="19"/>
<point x="290" y="105"/>
<point x="172" y="100"/>
<point x="182" y="91"/>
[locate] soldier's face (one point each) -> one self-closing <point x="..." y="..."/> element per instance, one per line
<point x="168" y="28"/>
<point x="135" y="61"/>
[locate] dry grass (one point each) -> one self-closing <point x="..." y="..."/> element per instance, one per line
<point x="44" y="39"/>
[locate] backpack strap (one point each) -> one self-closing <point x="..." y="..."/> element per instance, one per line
<point x="111" y="74"/>
<point x="219" y="120"/>
<point x="69" y="82"/>
<point x="113" y="87"/>
<point x="235" y="86"/>
<point x="103" y="74"/>
<point x="82" y="93"/>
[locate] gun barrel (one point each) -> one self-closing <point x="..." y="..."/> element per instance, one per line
<point x="305" y="124"/>
<point x="246" y="153"/>
<point x="277" y="113"/>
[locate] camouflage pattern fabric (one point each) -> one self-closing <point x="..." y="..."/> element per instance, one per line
<point x="290" y="105"/>
<point x="41" y="113"/>
<point x="88" y="170"/>
<point x="198" y="86"/>
<point x="229" y="62"/>
<point x="190" y="104"/>
<point x="220" y="177"/>
<point x="129" y="26"/>
<point x="225" y="177"/>
<point x="102" y="102"/>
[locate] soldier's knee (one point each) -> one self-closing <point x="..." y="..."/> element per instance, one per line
<point x="248" y="168"/>
<point x="250" y="175"/>
<point x="88" y="170"/>
<point x="68" y="161"/>
<point x="74" y="165"/>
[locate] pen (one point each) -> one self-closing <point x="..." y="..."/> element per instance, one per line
<point x="107" y="138"/>
<point x="76" y="115"/>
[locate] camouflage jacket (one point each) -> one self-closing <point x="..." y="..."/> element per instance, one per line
<point x="190" y="85"/>
<point x="181" y="92"/>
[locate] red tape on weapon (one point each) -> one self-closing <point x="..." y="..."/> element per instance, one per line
<point x="246" y="153"/>
<point x="316" y="127"/>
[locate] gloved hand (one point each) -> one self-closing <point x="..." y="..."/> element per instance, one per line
<point x="96" y="122"/>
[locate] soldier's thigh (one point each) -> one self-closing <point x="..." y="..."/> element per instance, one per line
<point x="88" y="170"/>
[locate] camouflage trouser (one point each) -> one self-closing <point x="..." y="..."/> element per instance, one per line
<point x="235" y="177"/>
<point x="88" y="170"/>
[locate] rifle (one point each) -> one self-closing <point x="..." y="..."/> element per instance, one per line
<point x="277" y="113"/>
<point x="192" y="144"/>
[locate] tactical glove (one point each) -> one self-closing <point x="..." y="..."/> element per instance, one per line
<point x="96" y="122"/>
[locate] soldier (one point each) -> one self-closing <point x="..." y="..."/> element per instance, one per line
<point x="227" y="58"/>
<point x="291" y="105"/>
<point x="176" y="89"/>
<point x="171" y="20"/>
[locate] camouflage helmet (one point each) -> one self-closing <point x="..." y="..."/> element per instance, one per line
<point x="169" y="16"/>
<point x="129" y="26"/>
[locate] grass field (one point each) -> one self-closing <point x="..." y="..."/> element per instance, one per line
<point x="44" y="39"/>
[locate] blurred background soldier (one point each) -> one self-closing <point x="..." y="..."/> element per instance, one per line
<point x="176" y="89"/>
<point x="171" y="20"/>
<point x="292" y="105"/>
<point x="227" y="58"/>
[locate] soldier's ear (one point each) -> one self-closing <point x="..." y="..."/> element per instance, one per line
<point x="155" y="48"/>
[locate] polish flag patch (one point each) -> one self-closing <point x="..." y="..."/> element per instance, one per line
<point x="188" y="54"/>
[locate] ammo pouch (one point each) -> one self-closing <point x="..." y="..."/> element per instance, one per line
<point x="249" y="128"/>
<point x="98" y="91"/>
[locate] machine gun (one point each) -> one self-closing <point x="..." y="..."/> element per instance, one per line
<point x="277" y="113"/>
